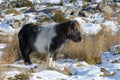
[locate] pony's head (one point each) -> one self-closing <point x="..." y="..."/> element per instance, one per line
<point x="74" y="33"/>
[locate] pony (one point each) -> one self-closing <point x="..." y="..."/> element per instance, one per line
<point x="49" y="39"/>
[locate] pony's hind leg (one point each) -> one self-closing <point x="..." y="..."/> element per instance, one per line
<point x="26" y="55"/>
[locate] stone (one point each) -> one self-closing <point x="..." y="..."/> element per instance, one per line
<point x="76" y="13"/>
<point x="116" y="49"/>
<point x="32" y="9"/>
<point x="107" y="9"/>
<point x="118" y="17"/>
<point x="68" y="11"/>
<point x="16" y="24"/>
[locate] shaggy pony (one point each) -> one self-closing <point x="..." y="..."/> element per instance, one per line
<point x="47" y="39"/>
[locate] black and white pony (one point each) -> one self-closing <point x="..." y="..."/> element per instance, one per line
<point x="47" y="39"/>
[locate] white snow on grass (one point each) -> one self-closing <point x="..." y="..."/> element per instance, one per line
<point x="2" y="46"/>
<point x="50" y="75"/>
<point x="89" y="28"/>
<point x="82" y="72"/>
<point x="35" y="1"/>
<point x="98" y="17"/>
<point x="111" y="24"/>
<point x="11" y="17"/>
<point x="6" y="28"/>
<point x="11" y="74"/>
<point x="52" y="1"/>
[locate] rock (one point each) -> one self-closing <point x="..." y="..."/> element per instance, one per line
<point x="107" y="9"/>
<point x="116" y="61"/>
<point x="91" y="8"/>
<point x="101" y="5"/>
<point x="106" y="72"/>
<point x="43" y="20"/>
<point x="16" y="24"/>
<point x="108" y="12"/>
<point x="21" y="3"/>
<point x="68" y="11"/>
<point x="32" y="9"/>
<point x="83" y="13"/>
<point x="24" y="21"/>
<point x="116" y="49"/>
<point x="95" y="1"/>
<point x="76" y="13"/>
<point x="49" y="10"/>
<point x="104" y="3"/>
<point x="118" y="17"/>
<point x="67" y="70"/>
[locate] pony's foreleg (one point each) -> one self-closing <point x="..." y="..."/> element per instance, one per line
<point x="51" y="60"/>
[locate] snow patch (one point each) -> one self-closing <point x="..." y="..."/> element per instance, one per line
<point x="49" y="75"/>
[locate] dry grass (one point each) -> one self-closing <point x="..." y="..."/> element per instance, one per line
<point x="91" y="47"/>
<point x="5" y="38"/>
<point x="22" y="76"/>
<point x="11" y="52"/>
<point x="12" y="11"/>
<point x="116" y="39"/>
<point x="2" y="76"/>
<point x="107" y="16"/>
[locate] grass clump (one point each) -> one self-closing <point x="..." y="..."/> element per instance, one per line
<point x="1" y="16"/>
<point x="71" y="1"/>
<point x="11" y="52"/>
<point x="91" y="48"/>
<point x="27" y="3"/>
<point x="23" y="3"/>
<point x="22" y="76"/>
<point x="87" y="0"/>
<point x="12" y="11"/>
<point x="58" y="17"/>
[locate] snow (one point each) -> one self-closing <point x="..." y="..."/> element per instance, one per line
<point x="83" y="72"/>
<point x="111" y="24"/>
<point x="51" y="75"/>
<point x="52" y="1"/>
<point x="12" y="16"/>
<point x="6" y="27"/>
<point x="95" y="17"/>
<point x="35" y="1"/>
<point x="97" y="1"/>
<point x="11" y="73"/>
<point x="1" y="1"/>
<point x="89" y="28"/>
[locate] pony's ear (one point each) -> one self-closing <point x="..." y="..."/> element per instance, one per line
<point x="76" y="25"/>
<point x="69" y="28"/>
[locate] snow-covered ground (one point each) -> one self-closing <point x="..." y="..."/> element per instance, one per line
<point x="79" y="70"/>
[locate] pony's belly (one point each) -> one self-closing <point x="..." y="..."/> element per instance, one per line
<point x="41" y="45"/>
